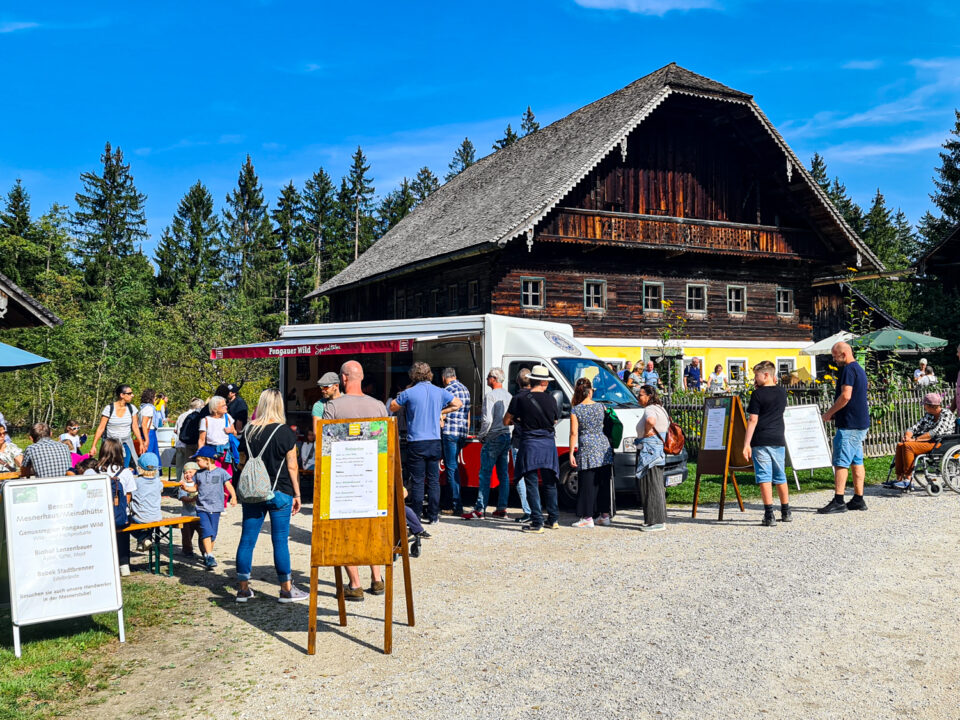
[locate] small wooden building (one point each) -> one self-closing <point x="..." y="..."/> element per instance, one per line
<point x="671" y="199"/>
<point x="20" y="310"/>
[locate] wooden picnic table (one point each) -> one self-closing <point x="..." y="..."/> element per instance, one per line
<point x="162" y="529"/>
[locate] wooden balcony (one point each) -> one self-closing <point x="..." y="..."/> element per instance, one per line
<point x="573" y="225"/>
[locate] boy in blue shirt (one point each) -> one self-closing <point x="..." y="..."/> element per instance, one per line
<point x="211" y="481"/>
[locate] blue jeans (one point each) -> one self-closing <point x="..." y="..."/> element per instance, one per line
<point x="452" y="444"/>
<point x="279" y="508"/>
<point x="769" y="464"/>
<point x="494" y="454"/>
<point x="521" y="487"/>
<point x="848" y="447"/>
<point x="549" y="491"/>
<point x="423" y="469"/>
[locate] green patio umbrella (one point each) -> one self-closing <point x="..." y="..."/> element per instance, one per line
<point x="890" y="338"/>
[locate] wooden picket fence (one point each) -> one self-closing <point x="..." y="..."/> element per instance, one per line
<point x="892" y="411"/>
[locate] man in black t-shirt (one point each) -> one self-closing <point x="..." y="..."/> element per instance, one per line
<point x="765" y="442"/>
<point x="536" y="413"/>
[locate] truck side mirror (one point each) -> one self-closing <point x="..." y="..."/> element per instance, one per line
<point x="562" y="403"/>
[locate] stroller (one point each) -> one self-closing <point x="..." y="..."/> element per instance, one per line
<point x="933" y="470"/>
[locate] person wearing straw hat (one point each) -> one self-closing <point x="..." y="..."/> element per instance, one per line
<point x="536" y="413"/>
<point x="936" y="422"/>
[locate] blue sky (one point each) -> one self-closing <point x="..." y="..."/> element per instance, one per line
<point x="188" y="89"/>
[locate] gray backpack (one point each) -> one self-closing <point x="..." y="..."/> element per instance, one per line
<point x="254" y="483"/>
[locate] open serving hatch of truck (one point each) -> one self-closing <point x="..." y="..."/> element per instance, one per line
<point x="471" y="344"/>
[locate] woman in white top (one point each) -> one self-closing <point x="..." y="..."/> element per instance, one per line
<point x="149" y="416"/>
<point x="11" y="456"/>
<point x="118" y="421"/>
<point x="216" y="427"/>
<point x="717" y="382"/>
<point x="651" y="433"/>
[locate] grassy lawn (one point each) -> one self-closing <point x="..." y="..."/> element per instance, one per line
<point x="63" y="661"/>
<point x="822" y="480"/>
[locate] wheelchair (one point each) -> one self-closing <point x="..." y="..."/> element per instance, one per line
<point x="938" y="468"/>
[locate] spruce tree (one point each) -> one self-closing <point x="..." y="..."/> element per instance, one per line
<point x="947" y="179"/>
<point x="189" y="249"/>
<point x="319" y="206"/>
<point x="15" y="217"/>
<point x="818" y="169"/>
<point x="24" y="252"/>
<point x="509" y="138"/>
<point x="529" y="123"/>
<point x="109" y="220"/>
<point x="339" y="252"/>
<point x="423" y="184"/>
<point x="291" y="236"/>
<point x="849" y="210"/>
<point x="464" y="157"/>
<point x="395" y="206"/>
<point x="889" y="238"/>
<point x="362" y="224"/>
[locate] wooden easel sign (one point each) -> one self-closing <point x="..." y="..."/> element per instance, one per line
<point x="358" y="516"/>
<point x="722" y="439"/>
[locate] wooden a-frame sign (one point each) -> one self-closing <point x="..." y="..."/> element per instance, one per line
<point x="353" y="522"/>
<point x="722" y="437"/>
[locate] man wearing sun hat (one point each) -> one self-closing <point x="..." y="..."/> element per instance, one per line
<point x="329" y="384"/>
<point x="936" y="422"/>
<point x="536" y="413"/>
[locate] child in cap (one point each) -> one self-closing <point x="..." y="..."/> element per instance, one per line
<point x="188" y="504"/>
<point x="211" y="483"/>
<point x="145" y="499"/>
<point x="765" y="440"/>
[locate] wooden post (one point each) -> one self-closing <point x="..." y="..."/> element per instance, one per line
<point x="312" y="622"/>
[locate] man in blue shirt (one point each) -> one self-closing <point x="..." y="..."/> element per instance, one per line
<point x="424" y="404"/>
<point x="851" y="413"/>
<point x="650" y="376"/>
<point x="692" y="376"/>
<point x="456" y="427"/>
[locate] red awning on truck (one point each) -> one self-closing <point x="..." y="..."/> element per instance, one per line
<point x="306" y="348"/>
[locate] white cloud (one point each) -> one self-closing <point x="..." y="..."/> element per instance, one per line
<point x="854" y="152"/>
<point x="649" y="7"/>
<point x="862" y="65"/>
<point x="9" y="27"/>
<point x="231" y="139"/>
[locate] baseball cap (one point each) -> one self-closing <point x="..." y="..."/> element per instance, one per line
<point x="205" y="452"/>
<point x="932" y="399"/>
<point x="149" y="461"/>
<point x="190" y="466"/>
<point x="329" y="378"/>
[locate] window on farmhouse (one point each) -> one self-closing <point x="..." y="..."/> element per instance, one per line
<point x="653" y="296"/>
<point x="696" y="298"/>
<point x="473" y="293"/>
<point x="418" y="304"/>
<point x="736" y="300"/>
<point x="434" y="301"/>
<point x="784" y="302"/>
<point x="400" y="305"/>
<point x="453" y="297"/>
<point x="531" y="292"/>
<point x="594" y="294"/>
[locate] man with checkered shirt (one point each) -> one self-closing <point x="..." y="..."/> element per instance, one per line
<point x="456" y="427"/>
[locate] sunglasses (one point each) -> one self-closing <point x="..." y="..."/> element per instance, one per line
<point x="127" y="392"/>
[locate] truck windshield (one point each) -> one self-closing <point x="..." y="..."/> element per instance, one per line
<point x="607" y="387"/>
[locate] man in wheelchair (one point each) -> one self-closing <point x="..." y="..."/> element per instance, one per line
<point x="936" y="422"/>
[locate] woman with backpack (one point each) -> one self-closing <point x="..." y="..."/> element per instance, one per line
<point x="651" y="436"/>
<point x="268" y="451"/>
<point x="591" y="454"/>
<point x="123" y="483"/>
<point x="119" y="421"/>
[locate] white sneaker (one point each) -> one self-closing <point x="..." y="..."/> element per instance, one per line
<point x="604" y="520"/>
<point x="584" y="523"/>
<point x="147" y="543"/>
<point x="124" y="570"/>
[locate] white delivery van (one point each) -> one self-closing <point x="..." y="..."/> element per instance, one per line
<point x="471" y="344"/>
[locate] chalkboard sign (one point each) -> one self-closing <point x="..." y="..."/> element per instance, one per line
<point x="807" y="445"/>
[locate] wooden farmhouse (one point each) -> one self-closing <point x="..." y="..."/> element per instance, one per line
<point x="672" y="199"/>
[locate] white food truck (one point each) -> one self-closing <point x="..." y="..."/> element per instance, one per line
<point x="471" y="344"/>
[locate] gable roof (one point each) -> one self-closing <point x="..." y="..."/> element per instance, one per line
<point x="951" y="237"/>
<point x="506" y="193"/>
<point x="19" y="310"/>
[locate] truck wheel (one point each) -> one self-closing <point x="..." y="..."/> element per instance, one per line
<point x="569" y="483"/>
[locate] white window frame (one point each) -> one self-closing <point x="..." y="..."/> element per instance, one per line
<point x="603" y="295"/>
<point x="696" y="311"/>
<point x="791" y="360"/>
<point x="543" y="292"/>
<point x="473" y="293"/>
<point x="793" y="305"/>
<point x="453" y="298"/>
<point x="644" y="297"/>
<point x="742" y="289"/>
<point x="746" y="368"/>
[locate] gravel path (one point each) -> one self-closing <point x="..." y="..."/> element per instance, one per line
<point x="827" y="617"/>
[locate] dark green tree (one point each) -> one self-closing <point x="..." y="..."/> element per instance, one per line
<point x="291" y="235"/>
<point x="395" y="206"/>
<point x="109" y="220"/>
<point x="361" y="221"/>
<point x="818" y="168"/>
<point x="509" y="138"/>
<point x="464" y="157"/>
<point x="851" y="212"/>
<point x="423" y="184"/>
<point x="891" y="239"/>
<point x="319" y="207"/>
<point x="15" y="217"/>
<point x="529" y="123"/>
<point x="189" y="249"/>
<point x="947" y="178"/>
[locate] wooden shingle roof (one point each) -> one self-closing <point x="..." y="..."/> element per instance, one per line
<point x="505" y="194"/>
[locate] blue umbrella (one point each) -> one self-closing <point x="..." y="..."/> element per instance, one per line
<point x="12" y="358"/>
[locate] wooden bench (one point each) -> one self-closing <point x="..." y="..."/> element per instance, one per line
<point x="160" y="530"/>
